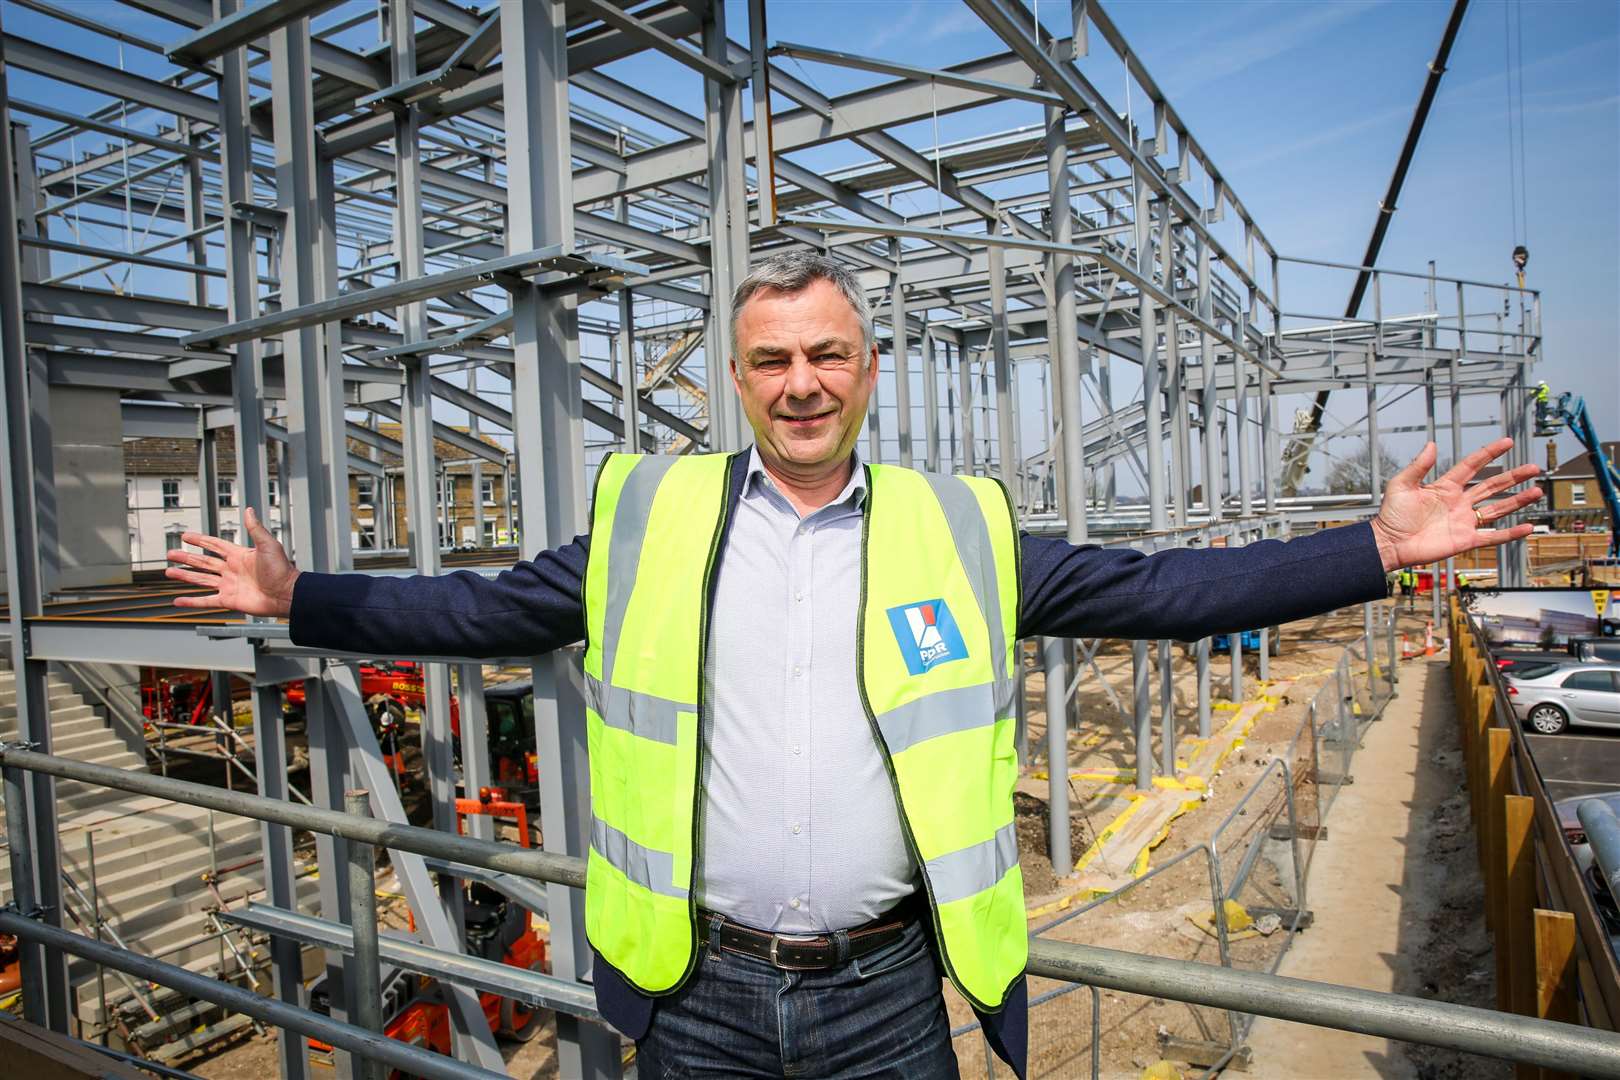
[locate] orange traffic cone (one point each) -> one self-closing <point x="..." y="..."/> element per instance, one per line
<point x="1430" y="646"/>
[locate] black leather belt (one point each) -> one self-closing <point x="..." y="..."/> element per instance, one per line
<point x="806" y="952"/>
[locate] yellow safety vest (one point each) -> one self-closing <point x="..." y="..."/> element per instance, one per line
<point x="937" y="626"/>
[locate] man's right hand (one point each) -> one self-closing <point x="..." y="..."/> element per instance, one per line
<point x="256" y="580"/>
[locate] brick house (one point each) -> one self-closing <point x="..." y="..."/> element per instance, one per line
<point x="1575" y="495"/>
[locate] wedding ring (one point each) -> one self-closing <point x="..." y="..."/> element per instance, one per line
<point x="1479" y="519"/>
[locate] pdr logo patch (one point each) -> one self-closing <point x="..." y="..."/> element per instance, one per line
<point x="927" y="635"/>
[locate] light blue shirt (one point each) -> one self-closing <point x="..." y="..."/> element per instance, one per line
<point x="801" y="833"/>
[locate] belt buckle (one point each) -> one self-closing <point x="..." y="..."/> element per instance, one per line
<point x="796" y="939"/>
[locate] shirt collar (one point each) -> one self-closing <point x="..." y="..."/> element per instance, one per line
<point x="853" y="493"/>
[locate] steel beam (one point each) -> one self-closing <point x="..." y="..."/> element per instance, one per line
<point x="248" y="23"/>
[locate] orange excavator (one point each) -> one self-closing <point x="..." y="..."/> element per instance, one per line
<point x="497" y="928"/>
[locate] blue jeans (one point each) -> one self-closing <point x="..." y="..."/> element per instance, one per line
<point x="881" y="1015"/>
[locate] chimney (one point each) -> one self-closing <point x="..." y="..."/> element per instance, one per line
<point x="1552" y="455"/>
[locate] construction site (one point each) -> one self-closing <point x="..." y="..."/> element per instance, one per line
<point x="401" y="275"/>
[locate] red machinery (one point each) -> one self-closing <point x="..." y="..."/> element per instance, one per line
<point x="497" y="928"/>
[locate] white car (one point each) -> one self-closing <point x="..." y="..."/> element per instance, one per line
<point x="1578" y="695"/>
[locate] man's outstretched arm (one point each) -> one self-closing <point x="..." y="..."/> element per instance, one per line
<point x="1187" y="593"/>
<point x="530" y="609"/>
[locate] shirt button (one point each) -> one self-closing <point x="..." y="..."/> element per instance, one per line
<point x="795" y="748"/>
<point x="796" y="829"/>
<point x="799" y="596"/>
<point x="794" y="903"/>
<point x="797" y="671"/>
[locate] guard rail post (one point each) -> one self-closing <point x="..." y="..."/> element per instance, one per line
<point x="1372" y="656"/>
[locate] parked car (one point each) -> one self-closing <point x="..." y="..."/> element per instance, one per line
<point x="1584" y="695"/>
<point x="1603" y="649"/>
<point x="1569" y="820"/>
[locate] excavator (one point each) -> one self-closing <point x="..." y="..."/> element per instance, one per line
<point x="1569" y="411"/>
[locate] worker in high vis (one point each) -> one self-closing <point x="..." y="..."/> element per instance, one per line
<point x="1407" y="581"/>
<point x="799" y="681"/>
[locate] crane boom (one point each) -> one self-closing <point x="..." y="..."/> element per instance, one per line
<point x="1296" y="454"/>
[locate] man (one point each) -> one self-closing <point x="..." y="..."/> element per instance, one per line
<point x="799" y="672"/>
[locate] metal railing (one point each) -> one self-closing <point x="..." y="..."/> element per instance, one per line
<point x="1394" y="1016"/>
<point x="1278" y="818"/>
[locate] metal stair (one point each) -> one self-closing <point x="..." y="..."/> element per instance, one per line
<point x="152" y="859"/>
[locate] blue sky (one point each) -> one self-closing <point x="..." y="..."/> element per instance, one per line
<point x="1304" y="105"/>
<point x="1301" y="104"/>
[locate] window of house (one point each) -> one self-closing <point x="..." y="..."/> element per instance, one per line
<point x="365" y="490"/>
<point x="1577" y="494"/>
<point x="367" y="535"/>
<point x="171" y="538"/>
<point x="171" y="494"/>
<point x="488" y="486"/>
<point x="227" y="533"/>
<point x="227" y="492"/>
<point x="449" y="489"/>
<point x="274" y="491"/>
<point x="489" y="532"/>
<point x="129" y="493"/>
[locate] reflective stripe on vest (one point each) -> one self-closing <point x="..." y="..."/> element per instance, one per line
<point x="938" y="623"/>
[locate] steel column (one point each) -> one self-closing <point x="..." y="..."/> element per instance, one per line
<point x="902" y="358"/>
<point x="728" y="230"/>
<point x="1000" y="347"/>
<point x="1057" y="754"/>
<point x="1142" y="710"/>
<point x="1062" y="330"/>
<point x="546" y="409"/>
<point x="931" y="458"/>
<point x="36" y="865"/>
<point x="275" y="842"/>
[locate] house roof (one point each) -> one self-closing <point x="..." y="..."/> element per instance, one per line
<point x="1581" y="467"/>
<point x="178" y="457"/>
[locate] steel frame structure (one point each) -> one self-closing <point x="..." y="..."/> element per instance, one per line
<point x="326" y="224"/>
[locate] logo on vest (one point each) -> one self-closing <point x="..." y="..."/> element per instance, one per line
<point x="927" y="635"/>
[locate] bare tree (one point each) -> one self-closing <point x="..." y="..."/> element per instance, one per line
<point x="1353" y="474"/>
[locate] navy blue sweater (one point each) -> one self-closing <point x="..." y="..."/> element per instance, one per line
<point x="1065" y="591"/>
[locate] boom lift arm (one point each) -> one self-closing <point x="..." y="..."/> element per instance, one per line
<point x="1570" y="411"/>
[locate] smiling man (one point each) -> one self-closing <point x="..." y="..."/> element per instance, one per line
<point x="800" y="673"/>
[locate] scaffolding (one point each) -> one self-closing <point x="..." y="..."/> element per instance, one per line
<point x="334" y="214"/>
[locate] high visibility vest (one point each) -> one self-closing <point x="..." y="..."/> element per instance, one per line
<point x="936" y="629"/>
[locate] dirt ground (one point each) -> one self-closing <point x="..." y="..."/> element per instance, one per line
<point x="1156" y="917"/>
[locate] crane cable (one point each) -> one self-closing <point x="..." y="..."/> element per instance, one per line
<point x="1513" y="77"/>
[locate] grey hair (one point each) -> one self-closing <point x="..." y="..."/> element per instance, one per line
<point x="792" y="272"/>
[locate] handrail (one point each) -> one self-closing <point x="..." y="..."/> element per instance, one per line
<point x="130" y="713"/>
<point x="401" y="1055"/>
<point x="1395" y="1016"/>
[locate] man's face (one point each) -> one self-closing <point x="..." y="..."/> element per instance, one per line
<point x="800" y="372"/>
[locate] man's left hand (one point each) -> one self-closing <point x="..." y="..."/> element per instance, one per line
<point x="1425" y="523"/>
